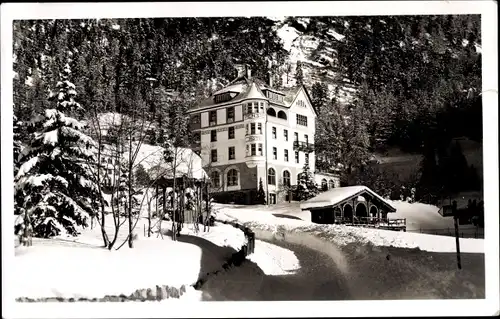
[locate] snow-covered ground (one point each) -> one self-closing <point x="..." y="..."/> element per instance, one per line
<point x="50" y="269"/>
<point x="78" y="267"/>
<point x="288" y="217"/>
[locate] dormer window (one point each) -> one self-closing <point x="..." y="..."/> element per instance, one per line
<point x="274" y="96"/>
<point x="224" y="97"/>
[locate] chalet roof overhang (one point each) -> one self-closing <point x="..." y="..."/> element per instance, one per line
<point x="345" y="195"/>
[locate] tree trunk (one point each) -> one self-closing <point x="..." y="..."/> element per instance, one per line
<point x="174" y="237"/>
<point x="129" y="186"/>
<point x="149" y="215"/>
<point x="26" y="238"/>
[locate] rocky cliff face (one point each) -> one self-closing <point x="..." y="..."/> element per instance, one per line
<point x="316" y="52"/>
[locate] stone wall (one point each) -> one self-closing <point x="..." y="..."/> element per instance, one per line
<point x="156" y="294"/>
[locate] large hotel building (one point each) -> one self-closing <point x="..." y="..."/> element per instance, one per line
<point x="250" y="131"/>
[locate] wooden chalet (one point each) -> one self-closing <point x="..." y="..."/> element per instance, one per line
<point x="352" y="205"/>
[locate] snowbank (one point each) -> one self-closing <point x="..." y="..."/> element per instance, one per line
<point x="81" y="272"/>
<point x="420" y="215"/>
<point x="274" y="260"/>
<point x="343" y="235"/>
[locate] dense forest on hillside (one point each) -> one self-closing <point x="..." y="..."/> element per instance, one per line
<point x="416" y="79"/>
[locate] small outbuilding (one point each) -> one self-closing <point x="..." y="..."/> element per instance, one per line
<point x="345" y="205"/>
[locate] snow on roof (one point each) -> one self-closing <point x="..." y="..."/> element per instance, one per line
<point x="336" y="195"/>
<point x="254" y="93"/>
<point x="187" y="163"/>
<point x="237" y="88"/>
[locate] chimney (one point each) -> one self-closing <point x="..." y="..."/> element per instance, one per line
<point x="241" y="68"/>
<point x="248" y="71"/>
<point x="270" y="79"/>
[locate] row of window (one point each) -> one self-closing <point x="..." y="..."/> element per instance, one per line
<point x="231" y="178"/>
<point x="250" y="108"/>
<point x="256" y="128"/>
<point x="229" y="116"/>
<point x="231" y="152"/>
<point x="230" y="134"/>
<point x="256" y="149"/>
<point x="250" y="129"/>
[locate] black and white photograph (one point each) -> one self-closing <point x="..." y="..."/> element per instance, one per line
<point x="170" y="156"/>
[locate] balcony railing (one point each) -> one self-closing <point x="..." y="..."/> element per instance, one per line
<point x="303" y="146"/>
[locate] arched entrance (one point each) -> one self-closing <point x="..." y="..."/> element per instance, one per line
<point x="348" y="211"/>
<point x="373" y="211"/>
<point x="361" y="210"/>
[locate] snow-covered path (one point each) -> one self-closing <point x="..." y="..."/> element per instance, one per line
<point x="315" y="280"/>
<point x="368" y="274"/>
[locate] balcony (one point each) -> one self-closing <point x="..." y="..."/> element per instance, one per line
<point x="303" y="146"/>
<point x="249" y="116"/>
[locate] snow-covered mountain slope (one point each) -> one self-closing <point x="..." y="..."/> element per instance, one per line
<point x="317" y="57"/>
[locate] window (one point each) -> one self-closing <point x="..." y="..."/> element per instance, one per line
<point x="271" y="112"/>
<point x="282" y="115"/>
<point x="248" y="150"/>
<point x="307" y="158"/>
<point x="246" y="129"/>
<point x="213" y="118"/>
<point x="331" y="184"/>
<point x="271" y="176"/>
<point x="286" y="155"/>
<point x="275" y="153"/>
<point x="272" y="199"/>
<point x="222" y="97"/>
<point x="285" y="135"/>
<point x="232" y="153"/>
<point x="215" y="178"/>
<point x="259" y="128"/>
<point x="230" y="114"/>
<point x="261" y="153"/>
<point x="195" y="119"/>
<point x="214" y="156"/>
<point x="249" y="108"/>
<point x="261" y="107"/>
<point x="301" y="120"/>
<point x="274" y="132"/>
<point x="306" y="138"/>
<point x="252" y="128"/>
<point x="297" y="157"/>
<point x="324" y="185"/>
<point x="286" y="178"/>
<point x="232" y="177"/>
<point x="301" y="103"/>
<point x="213" y="136"/>
<point x="230" y="133"/>
<point x="253" y="148"/>
<point x="296" y="137"/>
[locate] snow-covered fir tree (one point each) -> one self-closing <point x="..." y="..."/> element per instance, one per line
<point x="54" y="185"/>
<point x="17" y="143"/>
<point x="306" y="186"/>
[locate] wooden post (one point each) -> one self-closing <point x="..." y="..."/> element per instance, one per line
<point x="457" y="238"/>
<point x="156" y="200"/>
<point x="164" y="190"/>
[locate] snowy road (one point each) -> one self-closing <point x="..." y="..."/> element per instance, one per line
<point x="315" y="280"/>
<point x="369" y="276"/>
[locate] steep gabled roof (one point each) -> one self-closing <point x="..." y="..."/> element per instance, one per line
<point x="338" y="195"/>
<point x="251" y="89"/>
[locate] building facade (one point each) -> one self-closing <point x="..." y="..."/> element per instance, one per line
<point x="250" y="131"/>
